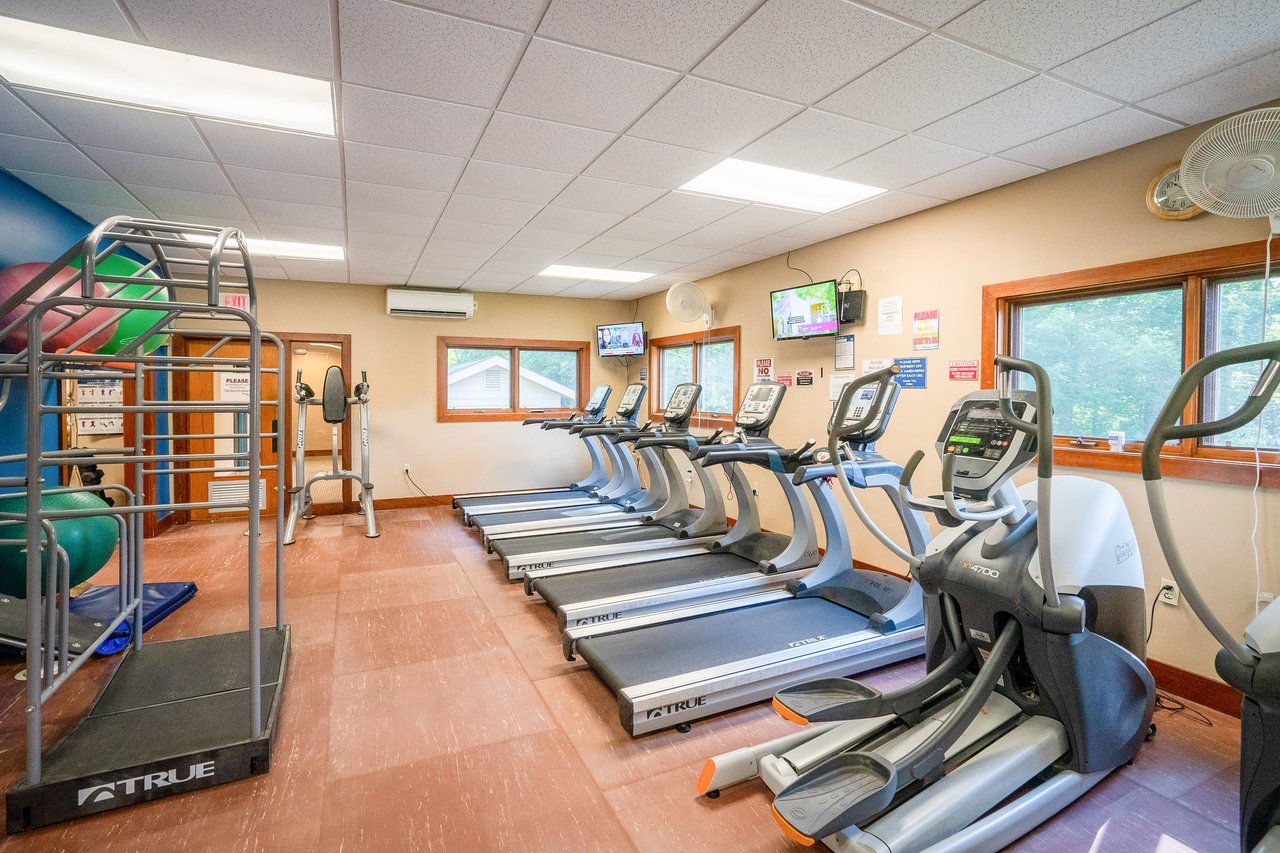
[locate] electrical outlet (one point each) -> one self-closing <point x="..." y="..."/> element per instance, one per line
<point x="406" y="467"/>
<point x="1169" y="592"/>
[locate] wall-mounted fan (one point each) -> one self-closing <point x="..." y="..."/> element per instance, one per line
<point x="687" y="303"/>
<point x="1233" y="169"/>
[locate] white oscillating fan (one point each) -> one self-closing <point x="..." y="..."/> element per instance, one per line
<point x="1233" y="169"/>
<point x="687" y="302"/>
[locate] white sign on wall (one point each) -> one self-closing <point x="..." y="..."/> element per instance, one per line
<point x="107" y="393"/>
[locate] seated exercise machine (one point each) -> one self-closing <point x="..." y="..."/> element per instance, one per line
<point x="334" y="404"/>
<point x="833" y="621"/>
<point x="1036" y="687"/>
<point x="677" y="529"/>
<point x="1252" y="666"/>
<point x="579" y="492"/>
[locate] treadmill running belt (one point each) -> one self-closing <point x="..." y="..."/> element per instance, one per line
<point x="662" y="651"/>
<point x="477" y="505"/>
<point x="562" y="590"/>
<point x="534" y="544"/>
<point x="525" y="515"/>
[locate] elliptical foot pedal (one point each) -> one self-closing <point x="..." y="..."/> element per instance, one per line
<point x="827" y="699"/>
<point x="843" y="791"/>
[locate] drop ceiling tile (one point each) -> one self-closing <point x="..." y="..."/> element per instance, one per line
<point x="788" y="48"/>
<point x="582" y="87"/>
<point x="932" y="13"/>
<point x="512" y="267"/>
<point x="759" y="219"/>
<point x="288" y="213"/>
<point x="437" y="282"/>
<point x="26" y="154"/>
<point x="271" y="150"/>
<point x="531" y="288"/>
<point x="823" y="228"/>
<point x="305" y="234"/>
<point x="486" y="286"/>
<point x="407" y="201"/>
<point x="513" y="183"/>
<point x="620" y="247"/>
<point x="651" y="230"/>
<point x="733" y="260"/>
<point x="226" y="208"/>
<point x="440" y="247"/>
<point x="679" y="254"/>
<point x="606" y="196"/>
<point x="655" y="267"/>
<point x="590" y="289"/>
<point x="696" y="271"/>
<point x="566" y="219"/>
<point x="1219" y="94"/>
<point x="889" y="206"/>
<point x="420" y="52"/>
<point x="519" y="14"/>
<point x="815" y="141"/>
<point x="95" y="17"/>
<point x="450" y="265"/>
<point x="536" y="238"/>
<point x="904" y="161"/>
<point x="285" y="186"/>
<point x="768" y="246"/>
<point x="406" y="121"/>
<point x="583" y="258"/>
<point x="17" y="118"/>
<point x="398" y="167"/>
<point x="1105" y="133"/>
<point x="93" y="213"/>
<point x="673" y="35"/>
<point x="1027" y="111"/>
<point x="929" y="80"/>
<point x="150" y="170"/>
<point x="975" y="178"/>
<point x="524" y="255"/>
<point x="378" y="279"/>
<point x="378" y="240"/>
<point x="122" y="128"/>
<point x="492" y="211"/>
<point x="303" y="270"/>
<point x="397" y="268"/>
<point x="1051" y="33"/>
<point x="690" y="209"/>
<point x="1221" y="33"/>
<point x="493" y="236"/>
<point x="710" y="116"/>
<point x="523" y="141"/>
<point x="652" y="164"/>
<point x="385" y="259"/>
<point x="496" y="278"/>
<point x="389" y="223"/>
<point x="284" y="35"/>
<point x="709" y="237"/>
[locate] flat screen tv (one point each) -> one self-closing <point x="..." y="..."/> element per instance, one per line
<point x="806" y="311"/>
<point x="620" y="339"/>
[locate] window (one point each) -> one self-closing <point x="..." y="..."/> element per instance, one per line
<point x="709" y="358"/>
<point x="1114" y="341"/>
<point x="486" y="379"/>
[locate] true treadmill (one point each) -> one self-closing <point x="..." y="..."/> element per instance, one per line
<point x="837" y="621"/>
<point x="680" y="530"/>
<point x="581" y="491"/>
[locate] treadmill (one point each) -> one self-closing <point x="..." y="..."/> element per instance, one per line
<point x="838" y="620"/>
<point x="579" y="492"/>
<point x="681" y="529"/>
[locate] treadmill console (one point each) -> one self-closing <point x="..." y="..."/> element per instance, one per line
<point x="682" y="402"/>
<point x="986" y="446"/>
<point x="598" y="398"/>
<point x="759" y="407"/>
<point x="629" y="405"/>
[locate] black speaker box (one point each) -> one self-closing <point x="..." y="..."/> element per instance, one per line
<point x="853" y="304"/>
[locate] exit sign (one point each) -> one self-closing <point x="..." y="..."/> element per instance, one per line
<point x="235" y="300"/>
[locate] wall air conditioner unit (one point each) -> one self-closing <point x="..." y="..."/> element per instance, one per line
<point x="411" y="302"/>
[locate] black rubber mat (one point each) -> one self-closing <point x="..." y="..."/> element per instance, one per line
<point x="564" y="590"/>
<point x="583" y="539"/>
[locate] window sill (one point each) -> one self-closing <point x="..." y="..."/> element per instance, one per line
<point x="471" y="416"/>
<point x="1235" y="472"/>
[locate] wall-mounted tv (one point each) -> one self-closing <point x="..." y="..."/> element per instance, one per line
<point x="620" y="339"/>
<point x="806" y="311"/>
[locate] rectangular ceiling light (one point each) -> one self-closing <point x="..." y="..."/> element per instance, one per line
<point x="282" y="248"/>
<point x="744" y="181"/>
<point x="73" y="63"/>
<point x="594" y="274"/>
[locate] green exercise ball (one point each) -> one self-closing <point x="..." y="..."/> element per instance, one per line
<point x="132" y="323"/>
<point x="89" y="542"/>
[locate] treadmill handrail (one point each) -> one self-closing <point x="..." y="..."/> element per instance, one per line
<point x="684" y="441"/>
<point x="773" y="458"/>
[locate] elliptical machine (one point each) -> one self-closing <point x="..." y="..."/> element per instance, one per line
<point x="334" y="404"/>
<point x="1252" y="667"/>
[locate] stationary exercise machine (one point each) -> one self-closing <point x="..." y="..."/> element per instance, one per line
<point x="334" y="404"/>
<point x="579" y="492"/>
<point x="1252" y="666"/>
<point x="1036" y="688"/>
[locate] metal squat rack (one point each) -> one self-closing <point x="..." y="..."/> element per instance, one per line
<point x="179" y="715"/>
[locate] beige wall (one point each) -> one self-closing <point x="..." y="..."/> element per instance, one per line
<point x="1085" y="215"/>
<point x="400" y="356"/>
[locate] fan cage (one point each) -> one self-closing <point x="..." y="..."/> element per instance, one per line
<point x="1233" y="169"/>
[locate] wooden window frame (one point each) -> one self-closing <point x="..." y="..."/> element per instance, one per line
<point x="1191" y="272"/>
<point x="446" y="415"/>
<point x="696" y="339"/>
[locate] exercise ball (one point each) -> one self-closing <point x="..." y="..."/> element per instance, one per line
<point x="15" y="278"/>
<point x="89" y="542"/>
<point x="131" y="323"/>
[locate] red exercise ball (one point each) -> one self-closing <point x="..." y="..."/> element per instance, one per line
<point x="15" y="278"/>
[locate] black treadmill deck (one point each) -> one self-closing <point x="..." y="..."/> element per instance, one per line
<point x="564" y="590"/>
<point x="592" y="510"/>
<point x="534" y="544"/>
<point x="476" y="506"/>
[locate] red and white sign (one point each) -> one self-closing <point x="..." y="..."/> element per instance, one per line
<point x="804" y="377"/>
<point x="785" y="379"/>
<point x="962" y="371"/>
<point x="239" y="301"/>
<point x="764" y="369"/>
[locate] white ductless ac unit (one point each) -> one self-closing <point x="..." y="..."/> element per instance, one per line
<point x="412" y="302"/>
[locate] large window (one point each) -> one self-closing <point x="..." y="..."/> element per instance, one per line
<point x="709" y="358"/>
<point x="495" y="379"/>
<point x="1114" y="341"/>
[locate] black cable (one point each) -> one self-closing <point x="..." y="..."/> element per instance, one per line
<point x="797" y="269"/>
<point x="1151" y="620"/>
<point x="415" y="484"/>
<point x="845" y="277"/>
<point x="1175" y="706"/>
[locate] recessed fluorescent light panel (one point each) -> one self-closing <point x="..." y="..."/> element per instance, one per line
<point x="75" y="63"/>
<point x="594" y="274"/>
<point x="744" y="181"/>
<point x="282" y="248"/>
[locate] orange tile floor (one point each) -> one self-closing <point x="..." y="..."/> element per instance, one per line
<point x="428" y="707"/>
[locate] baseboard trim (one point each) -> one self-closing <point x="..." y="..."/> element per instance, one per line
<point x="411" y="502"/>
<point x="1195" y="687"/>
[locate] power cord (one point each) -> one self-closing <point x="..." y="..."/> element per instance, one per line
<point x="1151" y="620"/>
<point x="409" y="477"/>
<point x="797" y="269"/>
<point x="1166" y="701"/>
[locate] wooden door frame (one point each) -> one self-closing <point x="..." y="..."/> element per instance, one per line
<point x="289" y="340"/>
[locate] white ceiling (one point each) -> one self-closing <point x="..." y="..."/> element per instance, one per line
<point x="481" y="140"/>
